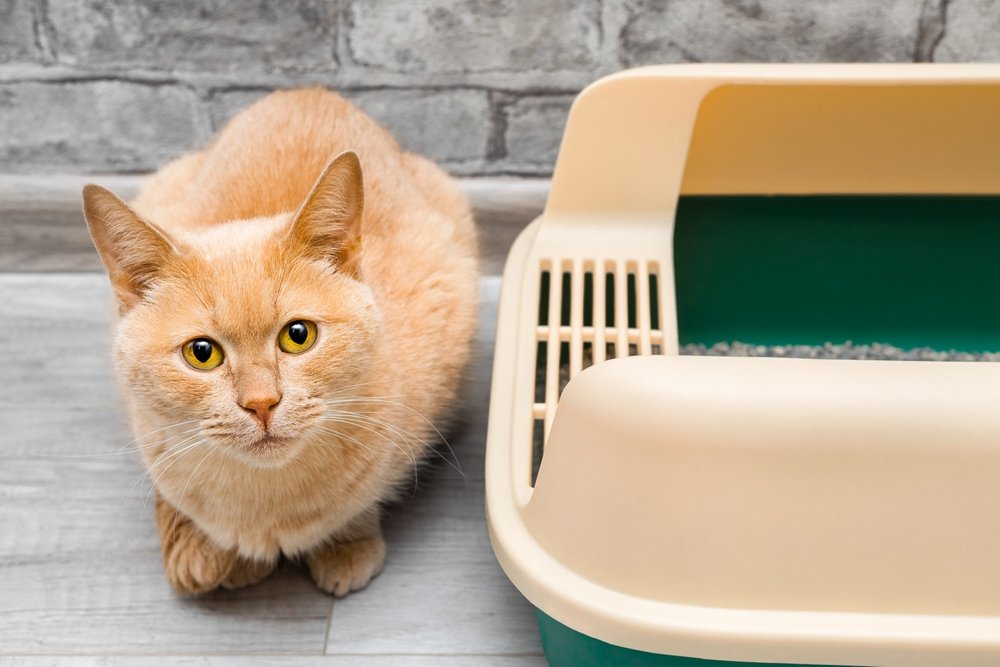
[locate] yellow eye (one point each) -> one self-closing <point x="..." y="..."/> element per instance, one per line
<point x="297" y="336"/>
<point x="202" y="353"/>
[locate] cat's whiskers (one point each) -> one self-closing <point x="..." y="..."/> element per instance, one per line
<point x="148" y="469"/>
<point x="315" y="440"/>
<point x="351" y="387"/>
<point x="177" y="450"/>
<point x="343" y="436"/>
<point x="363" y="421"/>
<point x="182" y="447"/>
<point x="386" y="400"/>
<point x="194" y="472"/>
<point x="351" y="419"/>
<point x="354" y="419"/>
<point x="371" y="419"/>
<point x="158" y="430"/>
<point x="164" y="443"/>
<point x="340" y="434"/>
<point x="176" y="456"/>
<point x="126" y="449"/>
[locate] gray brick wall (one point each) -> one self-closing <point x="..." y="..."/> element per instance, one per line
<point x="483" y="86"/>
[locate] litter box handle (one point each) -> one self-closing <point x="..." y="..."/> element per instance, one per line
<point x="770" y="129"/>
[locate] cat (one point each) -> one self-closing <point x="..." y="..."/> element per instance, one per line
<point x="288" y="332"/>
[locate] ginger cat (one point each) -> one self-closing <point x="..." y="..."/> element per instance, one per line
<point x="287" y="336"/>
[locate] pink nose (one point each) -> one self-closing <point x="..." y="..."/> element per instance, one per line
<point x="261" y="408"/>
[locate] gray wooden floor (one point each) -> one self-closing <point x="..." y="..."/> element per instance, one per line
<point x="80" y="574"/>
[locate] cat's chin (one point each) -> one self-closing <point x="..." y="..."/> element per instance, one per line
<point x="267" y="451"/>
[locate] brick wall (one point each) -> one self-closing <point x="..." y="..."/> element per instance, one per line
<point x="483" y="86"/>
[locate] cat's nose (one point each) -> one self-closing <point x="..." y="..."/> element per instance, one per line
<point x="261" y="407"/>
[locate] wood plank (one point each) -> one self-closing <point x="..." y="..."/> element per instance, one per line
<point x="55" y="341"/>
<point x="42" y="228"/>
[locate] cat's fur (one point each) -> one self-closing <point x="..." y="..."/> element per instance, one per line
<point x="232" y="243"/>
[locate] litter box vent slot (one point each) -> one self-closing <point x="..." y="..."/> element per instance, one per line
<point x="589" y="311"/>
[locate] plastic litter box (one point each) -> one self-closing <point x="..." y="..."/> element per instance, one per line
<point x="660" y="509"/>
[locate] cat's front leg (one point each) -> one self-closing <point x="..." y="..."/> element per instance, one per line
<point x="193" y="564"/>
<point x="350" y="558"/>
<point x="248" y="572"/>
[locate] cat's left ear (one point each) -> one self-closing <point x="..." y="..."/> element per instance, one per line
<point x="135" y="252"/>
<point x="328" y="225"/>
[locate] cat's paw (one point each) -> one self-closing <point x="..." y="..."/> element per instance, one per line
<point x="192" y="563"/>
<point x="344" y="567"/>
<point x="248" y="572"/>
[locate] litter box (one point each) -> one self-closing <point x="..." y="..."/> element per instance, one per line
<point x="660" y="509"/>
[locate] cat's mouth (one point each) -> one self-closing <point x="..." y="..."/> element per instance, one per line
<point x="268" y="441"/>
<point x="267" y="450"/>
<point x="258" y="445"/>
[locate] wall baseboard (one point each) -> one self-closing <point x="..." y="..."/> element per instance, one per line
<point x="42" y="228"/>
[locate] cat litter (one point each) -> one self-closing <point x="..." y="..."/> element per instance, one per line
<point x="702" y="447"/>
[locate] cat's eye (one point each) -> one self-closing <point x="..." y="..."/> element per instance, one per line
<point x="297" y="336"/>
<point x="202" y="353"/>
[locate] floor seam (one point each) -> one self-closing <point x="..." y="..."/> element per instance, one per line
<point x="329" y="624"/>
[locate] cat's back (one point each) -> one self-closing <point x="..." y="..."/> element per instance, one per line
<point x="266" y="159"/>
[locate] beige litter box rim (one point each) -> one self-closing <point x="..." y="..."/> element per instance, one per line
<point x="587" y="606"/>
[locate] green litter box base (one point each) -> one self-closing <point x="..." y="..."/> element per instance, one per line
<point x="565" y="647"/>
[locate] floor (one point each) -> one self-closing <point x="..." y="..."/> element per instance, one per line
<point x="81" y="580"/>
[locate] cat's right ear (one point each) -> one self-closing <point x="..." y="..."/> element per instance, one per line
<point x="328" y="225"/>
<point x="133" y="251"/>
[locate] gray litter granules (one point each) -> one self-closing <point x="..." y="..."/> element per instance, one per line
<point x="830" y="351"/>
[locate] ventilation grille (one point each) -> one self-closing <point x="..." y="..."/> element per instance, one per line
<point x="589" y="311"/>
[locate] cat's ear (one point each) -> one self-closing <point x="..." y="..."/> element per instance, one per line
<point x="134" y="251"/>
<point x="328" y="225"/>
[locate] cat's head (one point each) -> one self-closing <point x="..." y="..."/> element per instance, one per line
<point x="246" y="331"/>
